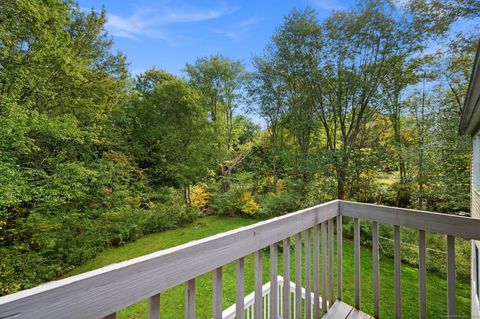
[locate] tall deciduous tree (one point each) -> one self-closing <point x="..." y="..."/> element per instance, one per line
<point x="173" y="137"/>
<point x="269" y="100"/>
<point x="362" y="48"/>
<point x="295" y="53"/>
<point x="222" y="81"/>
<point x="57" y="59"/>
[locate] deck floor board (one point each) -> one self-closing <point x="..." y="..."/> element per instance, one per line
<point x="341" y="310"/>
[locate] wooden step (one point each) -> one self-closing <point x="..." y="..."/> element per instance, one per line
<point x="341" y="310"/>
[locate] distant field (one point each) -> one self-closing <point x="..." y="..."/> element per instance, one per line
<point x="172" y="299"/>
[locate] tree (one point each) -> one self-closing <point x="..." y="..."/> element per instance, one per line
<point x="434" y="17"/>
<point x="221" y="80"/>
<point x="59" y="61"/>
<point x="172" y="135"/>
<point x="268" y="100"/>
<point x="146" y="82"/>
<point x="294" y="55"/>
<point x="363" y="48"/>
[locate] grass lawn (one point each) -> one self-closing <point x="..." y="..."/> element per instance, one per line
<point x="172" y="299"/>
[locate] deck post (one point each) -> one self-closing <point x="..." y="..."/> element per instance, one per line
<point x="330" y="261"/>
<point x="217" y="293"/>
<point x="451" y="276"/>
<point x="154" y="307"/>
<point x="240" y="287"/>
<point x="356" y="244"/>
<point x="298" y="276"/>
<point x="316" y="273"/>
<point x="273" y="305"/>
<point x="286" y="279"/>
<point x="308" y="272"/>
<point x="422" y="270"/>
<point x="258" y="284"/>
<point x="324" y="267"/>
<point x="189" y="304"/>
<point x="339" y="257"/>
<point x="376" y="271"/>
<point x="397" y="259"/>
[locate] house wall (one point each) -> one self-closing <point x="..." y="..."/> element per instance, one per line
<point x="475" y="212"/>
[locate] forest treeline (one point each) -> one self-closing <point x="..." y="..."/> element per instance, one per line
<point x="356" y="106"/>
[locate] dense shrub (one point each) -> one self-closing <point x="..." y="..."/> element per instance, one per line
<point x="276" y="204"/>
<point x="199" y="195"/>
<point x="239" y="199"/>
<point x="61" y="243"/>
<point x="236" y="201"/>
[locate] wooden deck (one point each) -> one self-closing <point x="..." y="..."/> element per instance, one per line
<point x="103" y="292"/>
<point x="341" y="310"/>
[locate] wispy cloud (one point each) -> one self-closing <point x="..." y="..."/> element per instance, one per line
<point x="329" y="5"/>
<point x="249" y="22"/>
<point x="237" y="30"/>
<point x="149" y="21"/>
<point x="229" y="34"/>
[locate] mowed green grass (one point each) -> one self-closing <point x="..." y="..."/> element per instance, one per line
<point x="172" y="299"/>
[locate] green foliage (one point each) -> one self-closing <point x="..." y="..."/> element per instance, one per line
<point x="281" y="203"/>
<point x="179" y="151"/>
<point x="90" y="159"/>
<point x="63" y="242"/>
<point x="238" y="199"/>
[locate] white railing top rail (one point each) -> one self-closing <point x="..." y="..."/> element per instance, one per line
<point x="103" y="291"/>
<point x="458" y="226"/>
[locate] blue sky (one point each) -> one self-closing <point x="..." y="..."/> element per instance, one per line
<point x="168" y="34"/>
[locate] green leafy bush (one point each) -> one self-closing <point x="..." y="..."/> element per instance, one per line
<point x="59" y="243"/>
<point x="276" y="204"/>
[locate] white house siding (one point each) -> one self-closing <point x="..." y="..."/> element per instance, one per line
<point x="475" y="212"/>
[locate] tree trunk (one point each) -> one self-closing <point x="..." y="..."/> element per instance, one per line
<point x="186" y="195"/>
<point x="341" y="175"/>
<point x="224" y="183"/>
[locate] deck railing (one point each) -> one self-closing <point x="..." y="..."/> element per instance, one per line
<point x="101" y="293"/>
<point x="249" y="301"/>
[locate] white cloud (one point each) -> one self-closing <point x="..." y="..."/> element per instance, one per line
<point x="329" y="5"/>
<point x="148" y="22"/>
<point x="249" y="22"/>
<point x="229" y="34"/>
<point x="237" y="30"/>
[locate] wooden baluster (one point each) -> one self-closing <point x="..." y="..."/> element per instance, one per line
<point x="330" y="261"/>
<point x="376" y="271"/>
<point x="324" y="267"/>
<point x="273" y="282"/>
<point x="397" y="263"/>
<point x="189" y="303"/>
<point x="308" y="271"/>
<point x="298" y="276"/>
<point x="286" y="278"/>
<point x="316" y="273"/>
<point x="154" y="307"/>
<point x="217" y="293"/>
<point x="356" y="244"/>
<point x="258" y="284"/>
<point x="422" y="269"/>
<point x="240" y="295"/>
<point x="339" y="257"/>
<point x="266" y="306"/>
<point x="280" y="300"/>
<point x="451" y="276"/>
